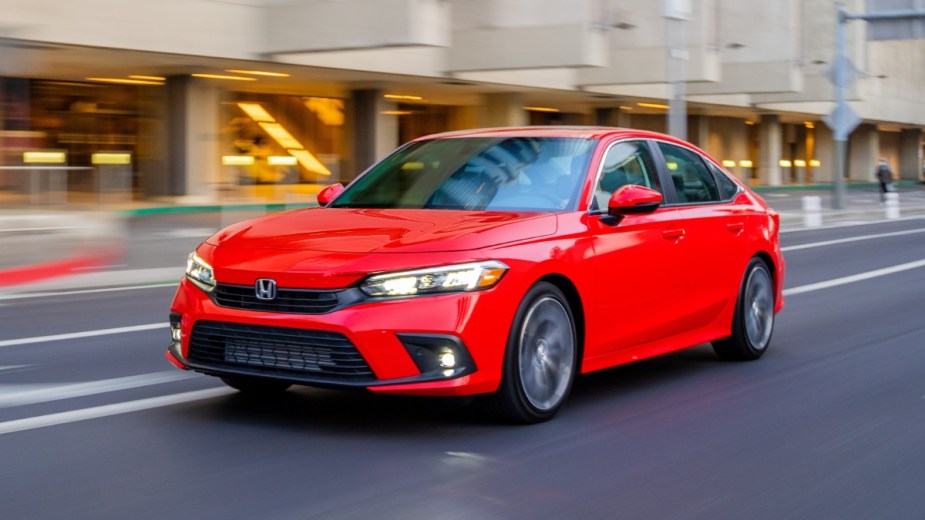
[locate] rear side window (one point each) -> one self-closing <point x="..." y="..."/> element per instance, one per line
<point x="727" y="187"/>
<point x="692" y="181"/>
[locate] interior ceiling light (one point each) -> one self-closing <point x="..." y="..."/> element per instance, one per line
<point x="44" y="157"/>
<point x="256" y="112"/>
<point x="397" y="112"/>
<point x="625" y="107"/>
<point x="259" y="73"/>
<point x="125" y="81"/>
<point x="280" y="135"/>
<point x="237" y="160"/>
<point x="283" y="138"/>
<point x="329" y="110"/>
<point x="222" y="76"/>
<point x="653" y="105"/>
<point x="403" y="97"/>
<point x="310" y="162"/>
<point x="147" y="78"/>
<point x="809" y="124"/>
<point x="541" y="109"/>
<point x="281" y="160"/>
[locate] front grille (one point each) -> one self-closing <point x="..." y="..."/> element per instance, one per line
<point x="295" y="301"/>
<point x="277" y="350"/>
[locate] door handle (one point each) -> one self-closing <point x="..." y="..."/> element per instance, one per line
<point x="672" y="234"/>
<point x="735" y="227"/>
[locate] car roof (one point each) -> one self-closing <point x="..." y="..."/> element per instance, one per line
<point x="586" y="132"/>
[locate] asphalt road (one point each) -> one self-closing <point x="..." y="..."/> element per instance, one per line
<point x="829" y="424"/>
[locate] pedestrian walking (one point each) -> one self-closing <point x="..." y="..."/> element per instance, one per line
<point x="885" y="176"/>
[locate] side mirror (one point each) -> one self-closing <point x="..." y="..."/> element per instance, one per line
<point x="329" y="193"/>
<point x="633" y="200"/>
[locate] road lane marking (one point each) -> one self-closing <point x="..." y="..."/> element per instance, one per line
<point x="20" y="395"/>
<point x="4" y="297"/>
<point x="96" y="412"/>
<point x="852" y="223"/>
<point x="853" y="278"/>
<point x="85" y="334"/>
<point x="851" y="239"/>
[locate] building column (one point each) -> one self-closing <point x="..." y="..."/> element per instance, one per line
<point x="824" y="152"/>
<point x="770" y="152"/>
<point x="373" y="132"/>
<point x="504" y="109"/>
<point x="910" y="154"/>
<point x="193" y="142"/>
<point x="699" y="130"/>
<point x="863" y="153"/>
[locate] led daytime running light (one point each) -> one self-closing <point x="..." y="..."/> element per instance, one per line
<point x="451" y="278"/>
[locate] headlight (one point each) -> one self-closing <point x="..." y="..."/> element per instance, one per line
<point x="199" y="272"/>
<point x="450" y="278"/>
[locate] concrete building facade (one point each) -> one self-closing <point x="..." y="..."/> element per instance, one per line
<point x="214" y="98"/>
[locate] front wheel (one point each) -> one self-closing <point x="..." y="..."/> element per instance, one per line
<point x="753" y="321"/>
<point x="540" y="359"/>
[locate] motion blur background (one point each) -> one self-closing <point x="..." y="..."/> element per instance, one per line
<point x="116" y="109"/>
<point x="180" y="101"/>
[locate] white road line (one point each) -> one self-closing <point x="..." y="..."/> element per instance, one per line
<point x="96" y="412"/>
<point x="85" y="334"/>
<point x="847" y="224"/>
<point x="22" y="296"/>
<point x="20" y="395"/>
<point x="851" y="239"/>
<point x="854" y="278"/>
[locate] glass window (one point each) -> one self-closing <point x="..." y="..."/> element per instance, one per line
<point x="727" y="187"/>
<point x="626" y="163"/>
<point x="284" y="139"/>
<point x="476" y="173"/>
<point x="692" y="181"/>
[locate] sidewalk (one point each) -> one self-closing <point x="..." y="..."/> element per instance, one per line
<point x="60" y="251"/>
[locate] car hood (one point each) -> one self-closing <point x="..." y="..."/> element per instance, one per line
<point x="385" y="230"/>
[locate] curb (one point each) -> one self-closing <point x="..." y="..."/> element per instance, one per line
<point x="211" y="208"/>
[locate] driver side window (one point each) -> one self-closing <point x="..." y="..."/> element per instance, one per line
<point x="625" y="163"/>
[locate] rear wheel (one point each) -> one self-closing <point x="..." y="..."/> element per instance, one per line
<point x="540" y="359"/>
<point x="753" y="321"/>
<point x="256" y="386"/>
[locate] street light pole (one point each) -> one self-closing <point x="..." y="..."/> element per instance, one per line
<point x="840" y="74"/>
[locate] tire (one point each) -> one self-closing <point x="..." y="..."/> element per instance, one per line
<point x="256" y="386"/>
<point x="753" y="322"/>
<point x="540" y="360"/>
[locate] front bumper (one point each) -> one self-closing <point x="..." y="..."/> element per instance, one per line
<point x="400" y="340"/>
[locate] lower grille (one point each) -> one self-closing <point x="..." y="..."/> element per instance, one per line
<point x="277" y="351"/>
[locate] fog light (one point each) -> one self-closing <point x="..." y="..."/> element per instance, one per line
<point x="176" y="333"/>
<point x="447" y="359"/>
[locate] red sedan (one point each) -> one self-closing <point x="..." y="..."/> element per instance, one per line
<point x="500" y="262"/>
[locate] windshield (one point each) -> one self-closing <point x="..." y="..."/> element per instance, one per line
<point x="476" y="173"/>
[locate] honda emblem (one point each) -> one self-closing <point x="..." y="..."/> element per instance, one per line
<point x="265" y="289"/>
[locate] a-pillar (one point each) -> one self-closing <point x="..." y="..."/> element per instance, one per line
<point x="193" y="141"/>
<point x="504" y="109"/>
<point x="910" y="154"/>
<point x="771" y="142"/>
<point x="374" y="129"/>
<point x="863" y="153"/>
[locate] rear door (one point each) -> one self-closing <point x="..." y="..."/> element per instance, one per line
<point x="714" y="232"/>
